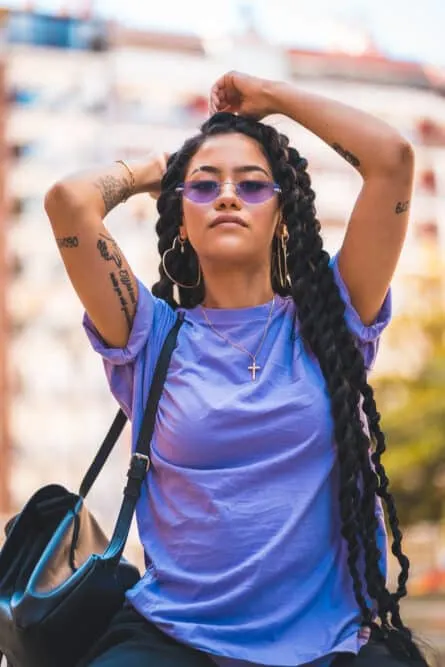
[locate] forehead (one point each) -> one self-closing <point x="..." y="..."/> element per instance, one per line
<point x="228" y="151"/>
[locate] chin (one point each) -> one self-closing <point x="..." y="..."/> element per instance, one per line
<point x="229" y="252"/>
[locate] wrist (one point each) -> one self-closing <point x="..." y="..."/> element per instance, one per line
<point x="275" y="96"/>
<point x="141" y="176"/>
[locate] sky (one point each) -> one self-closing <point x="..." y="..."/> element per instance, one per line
<point x="400" y="29"/>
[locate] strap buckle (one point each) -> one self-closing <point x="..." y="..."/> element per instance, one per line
<point x="143" y="457"/>
<point x="139" y="465"/>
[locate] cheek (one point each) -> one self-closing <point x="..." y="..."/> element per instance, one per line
<point x="266" y="219"/>
<point x="194" y="221"/>
<point x="193" y="214"/>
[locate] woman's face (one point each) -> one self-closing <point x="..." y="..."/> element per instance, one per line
<point x="234" y="158"/>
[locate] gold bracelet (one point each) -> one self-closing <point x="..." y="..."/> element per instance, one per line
<point x="132" y="179"/>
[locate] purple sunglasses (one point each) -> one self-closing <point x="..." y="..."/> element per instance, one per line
<point x="251" y="192"/>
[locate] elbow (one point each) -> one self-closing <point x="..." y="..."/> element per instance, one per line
<point x="400" y="159"/>
<point x="60" y="201"/>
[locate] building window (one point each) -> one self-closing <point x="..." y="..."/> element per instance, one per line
<point x="58" y="31"/>
<point x="430" y="133"/>
<point x="428" y="181"/>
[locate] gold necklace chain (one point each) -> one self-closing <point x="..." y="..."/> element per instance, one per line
<point x="253" y="368"/>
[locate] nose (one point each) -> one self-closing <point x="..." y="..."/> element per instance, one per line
<point x="227" y="196"/>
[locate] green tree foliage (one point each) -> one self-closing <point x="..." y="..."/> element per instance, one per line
<point x="413" y="418"/>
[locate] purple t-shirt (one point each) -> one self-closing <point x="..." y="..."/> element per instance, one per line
<point x="239" y="515"/>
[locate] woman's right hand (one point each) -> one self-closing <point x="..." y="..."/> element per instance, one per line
<point x="156" y="167"/>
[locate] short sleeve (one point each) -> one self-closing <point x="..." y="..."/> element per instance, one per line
<point x="367" y="336"/>
<point x="140" y="331"/>
<point x="152" y="318"/>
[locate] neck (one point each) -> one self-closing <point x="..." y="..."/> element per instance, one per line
<point x="236" y="288"/>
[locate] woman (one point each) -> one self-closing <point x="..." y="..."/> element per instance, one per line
<point x="261" y="516"/>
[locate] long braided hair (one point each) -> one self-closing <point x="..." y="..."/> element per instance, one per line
<point x="320" y="311"/>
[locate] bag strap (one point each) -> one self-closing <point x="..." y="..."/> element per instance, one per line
<point x="140" y="460"/>
<point x="148" y="421"/>
<point x="104" y="452"/>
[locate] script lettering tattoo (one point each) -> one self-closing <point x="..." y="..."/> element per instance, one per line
<point x="112" y="254"/>
<point x="402" y="206"/>
<point x="68" y="242"/>
<point x="113" y="190"/>
<point x="126" y="281"/>
<point x="347" y="155"/>
<point x="122" y="300"/>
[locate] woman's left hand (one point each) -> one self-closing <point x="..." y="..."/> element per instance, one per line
<point x="241" y="94"/>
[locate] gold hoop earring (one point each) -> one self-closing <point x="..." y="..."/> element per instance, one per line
<point x="181" y="241"/>
<point x="282" y="266"/>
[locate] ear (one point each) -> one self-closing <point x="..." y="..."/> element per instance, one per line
<point x="182" y="232"/>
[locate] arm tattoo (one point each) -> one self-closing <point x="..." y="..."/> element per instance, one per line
<point x="347" y="155"/>
<point x="113" y="190"/>
<point x="122" y="300"/>
<point x="68" y="242"/>
<point x="126" y="281"/>
<point x="112" y="254"/>
<point x="402" y="206"/>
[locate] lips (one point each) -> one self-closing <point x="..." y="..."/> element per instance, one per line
<point x="228" y="218"/>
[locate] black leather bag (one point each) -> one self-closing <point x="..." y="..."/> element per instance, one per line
<point x="61" y="579"/>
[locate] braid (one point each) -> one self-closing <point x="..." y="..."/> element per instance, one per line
<point x="184" y="268"/>
<point x="310" y="276"/>
<point x="321" y="315"/>
<point x="323" y="328"/>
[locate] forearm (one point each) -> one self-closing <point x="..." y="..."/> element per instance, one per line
<point x="100" y="190"/>
<point x="366" y="142"/>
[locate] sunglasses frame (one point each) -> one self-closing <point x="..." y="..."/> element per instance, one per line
<point x="182" y="186"/>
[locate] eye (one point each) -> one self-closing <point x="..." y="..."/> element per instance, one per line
<point x="203" y="186"/>
<point x="253" y="186"/>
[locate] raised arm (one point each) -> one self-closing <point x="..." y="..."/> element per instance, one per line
<point x="378" y="224"/>
<point x="97" y="268"/>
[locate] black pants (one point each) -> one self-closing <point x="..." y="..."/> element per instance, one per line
<point x="133" y="642"/>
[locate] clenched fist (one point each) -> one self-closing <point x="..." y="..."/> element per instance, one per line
<point x="242" y="94"/>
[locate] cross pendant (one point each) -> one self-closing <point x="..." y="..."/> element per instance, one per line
<point x="254" y="368"/>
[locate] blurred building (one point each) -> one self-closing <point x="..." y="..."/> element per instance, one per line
<point x="81" y="93"/>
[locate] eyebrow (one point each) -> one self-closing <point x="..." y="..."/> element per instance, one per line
<point x="238" y="170"/>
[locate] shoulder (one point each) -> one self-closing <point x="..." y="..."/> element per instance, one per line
<point x="367" y="336"/>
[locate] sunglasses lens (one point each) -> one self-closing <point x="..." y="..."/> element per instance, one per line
<point x="252" y="192"/>
<point x="255" y="192"/>
<point x="201" y="192"/>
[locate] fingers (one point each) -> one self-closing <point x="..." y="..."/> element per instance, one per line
<point x="155" y="194"/>
<point x="157" y="169"/>
<point x="224" y="95"/>
<point x="219" y="100"/>
<point x="213" y="102"/>
<point x="163" y="161"/>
